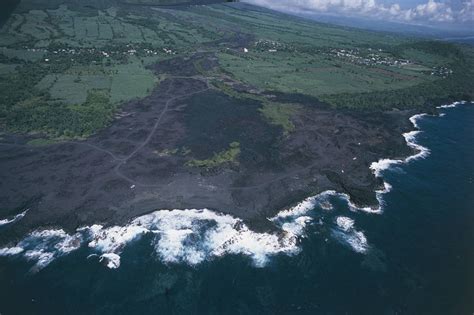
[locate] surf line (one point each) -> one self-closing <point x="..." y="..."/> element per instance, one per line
<point x="377" y="168"/>
<point x="421" y="152"/>
<point x="346" y="232"/>
<point x="14" y="218"/>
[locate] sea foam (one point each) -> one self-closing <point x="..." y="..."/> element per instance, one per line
<point x="421" y="152"/>
<point x="378" y="195"/>
<point x="112" y="260"/>
<point x="345" y="223"/>
<point x="179" y="236"/>
<point x="14" y="218"/>
<point x="44" y="246"/>
<point x="452" y="105"/>
<point x="304" y="206"/>
<point x="347" y="234"/>
<point x="188" y="236"/>
<point x="182" y="236"/>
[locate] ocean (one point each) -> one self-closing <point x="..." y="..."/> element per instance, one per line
<point x="414" y="255"/>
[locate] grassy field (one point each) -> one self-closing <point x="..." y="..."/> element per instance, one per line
<point x="225" y="157"/>
<point x="307" y="74"/>
<point x="280" y="115"/>
<point x="124" y="82"/>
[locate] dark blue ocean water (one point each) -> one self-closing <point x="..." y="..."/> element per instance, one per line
<point x="420" y="260"/>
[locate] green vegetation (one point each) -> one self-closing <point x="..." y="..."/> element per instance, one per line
<point x="55" y="61"/>
<point x="124" y="81"/>
<point x="296" y="56"/>
<point x="311" y="75"/>
<point x="439" y="88"/>
<point x="225" y="157"/>
<point x="40" y="113"/>
<point x="280" y="114"/>
<point x="41" y="142"/>
<point x="227" y="89"/>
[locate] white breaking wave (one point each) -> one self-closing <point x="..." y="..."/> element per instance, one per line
<point x="304" y="206"/>
<point x="357" y="241"/>
<point x="383" y="164"/>
<point x="452" y="105"/>
<point x="413" y="119"/>
<point x="180" y="236"/>
<point x="347" y="234"/>
<point x="378" y="194"/>
<point x="43" y="246"/>
<point x="14" y="219"/>
<point x="10" y="251"/>
<point x="295" y="219"/>
<point x="297" y="226"/>
<point x="421" y="152"/>
<point x="112" y="260"/>
<point x="113" y="239"/>
<point x="345" y="223"/>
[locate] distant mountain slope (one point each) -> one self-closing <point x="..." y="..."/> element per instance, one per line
<point x="26" y="5"/>
<point x="455" y="33"/>
<point x="173" y="2"/>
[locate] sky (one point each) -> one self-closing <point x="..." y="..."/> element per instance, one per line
<point x="420" y="12"/>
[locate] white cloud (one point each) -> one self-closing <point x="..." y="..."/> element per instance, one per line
<point x="466" y="14"/>
<point x="429" y="12"/>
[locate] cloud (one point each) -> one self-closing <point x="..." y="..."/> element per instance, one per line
<point x="429" y="12"/>
<point x="432" y="10"/>
<point x="466" y="14"/>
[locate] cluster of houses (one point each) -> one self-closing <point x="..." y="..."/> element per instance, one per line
<point x="270" y="45"/>
<point x="441" y="72"/>
<point x="373" y="57"/>
<point x="128" y="50"/>
<point x="370" y="57"/>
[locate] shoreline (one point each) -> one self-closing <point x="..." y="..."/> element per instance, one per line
<point x="175" y="225"/>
